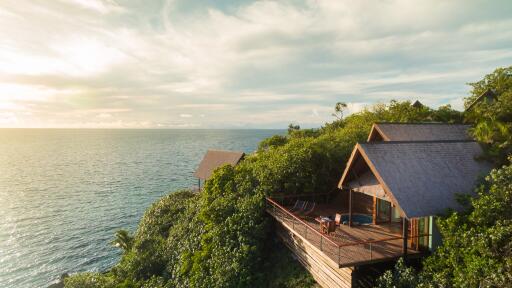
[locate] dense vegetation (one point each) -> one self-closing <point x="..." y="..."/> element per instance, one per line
<point x="223" y="238"/>
<point x="493" y="119"/>
<point x="477" y="243"/>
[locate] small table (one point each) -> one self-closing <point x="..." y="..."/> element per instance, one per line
<point x="326" y="224"/>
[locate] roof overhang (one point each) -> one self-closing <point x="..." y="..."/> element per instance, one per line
<point x="489" y="94"/>
<point x="377" y="131"/>
<point x="214" y="159"/>
<point x="359" y="152"/>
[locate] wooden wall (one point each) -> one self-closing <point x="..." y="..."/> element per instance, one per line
<point x="324" y="270"/>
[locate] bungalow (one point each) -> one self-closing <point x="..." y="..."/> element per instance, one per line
<point x="214" y="159"/>
<point x="390" y="190"/>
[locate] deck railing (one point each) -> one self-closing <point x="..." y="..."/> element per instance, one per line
<point x="344" y="254"/>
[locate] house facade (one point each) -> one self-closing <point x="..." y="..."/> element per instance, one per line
<point x="389" y="192"/>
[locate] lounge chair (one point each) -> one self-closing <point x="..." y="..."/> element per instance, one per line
<point x="305" y="208"/>
<point x="299" y="206"/>
<point x="309" y="209"/>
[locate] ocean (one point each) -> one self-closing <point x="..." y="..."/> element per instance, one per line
<point x="64" y="192"/>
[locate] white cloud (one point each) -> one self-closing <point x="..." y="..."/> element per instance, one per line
<point x="261" y="63"/>
<point x="100" y="6"/>
<point x="85" y="56"/>
<point x="104" y="115"/>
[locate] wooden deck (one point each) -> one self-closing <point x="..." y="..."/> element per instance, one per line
<point x="347" y="246"/>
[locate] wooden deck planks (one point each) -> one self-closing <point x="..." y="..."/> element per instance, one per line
<point x="350" y="255"/>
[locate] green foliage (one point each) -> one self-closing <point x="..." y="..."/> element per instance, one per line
<point x="445" y="114"/>
<point x="148" y="255"/>
<point x="123" y="240"/>
<point x="274" y="141"/>
<point x="477" y="244"/>
<point x="89" y="280"/>
<point x="220" y="237"/>
<point x="338" y="110"/>
<point x="400" y="277"/>
<point x="283" y="271"/>
<point x="293" y="127"/>
<point x="493" y="119"/>
<point x="232" y="243"/>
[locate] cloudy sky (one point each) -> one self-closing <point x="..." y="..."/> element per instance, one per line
<point x="249" y="64"/>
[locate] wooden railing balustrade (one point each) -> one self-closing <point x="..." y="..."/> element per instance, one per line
<point x="344" y="254"/>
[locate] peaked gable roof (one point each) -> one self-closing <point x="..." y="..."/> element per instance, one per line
<point x="422" y="178"/>
<point x="417" y="104"/>
<point x="488" y="95"/>
<point x="418" y="132"/>
<point x="214" y="159"/>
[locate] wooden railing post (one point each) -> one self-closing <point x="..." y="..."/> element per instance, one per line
<point x="339" y="255"/>
<point x="374" y="216"/>
<point x="321" y="242"/>
<point x="350" y="208"/>
<point x="405" y="227"/>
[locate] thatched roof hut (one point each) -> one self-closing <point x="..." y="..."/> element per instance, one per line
<point x="214" y="159"/>
<point x="418" y="132"/>
<point x="421" y="178"/>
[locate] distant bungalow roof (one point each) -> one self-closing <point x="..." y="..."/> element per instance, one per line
<point x="488" y="95"/>
<point x="418" y="132"/>
<point x="421" y="178"/>
<point x="214" y="159"/>
<point x="417" y="104"/>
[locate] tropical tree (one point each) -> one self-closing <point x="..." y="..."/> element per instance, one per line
<point x="492" y="117"/>
<point x="339" y="109"/>
<point x="400" y="277"/>
<point x="123" y="240"/>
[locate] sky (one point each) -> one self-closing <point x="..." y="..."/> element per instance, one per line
<point x="238" y="64"/>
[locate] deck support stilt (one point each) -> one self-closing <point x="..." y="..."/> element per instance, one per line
<point x="350" y="208"/>
<point x="405" y="226"/>
<point x="374" y="210"/>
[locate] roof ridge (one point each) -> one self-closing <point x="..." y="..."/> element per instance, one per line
<point x="422" y="141"/>
<point x="422" y="123"/>
<point x="228" y="151"/>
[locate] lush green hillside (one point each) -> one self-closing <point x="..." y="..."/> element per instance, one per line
<point x="222" y="237"/>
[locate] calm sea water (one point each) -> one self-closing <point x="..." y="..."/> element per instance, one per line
<point x="64" y="193"/>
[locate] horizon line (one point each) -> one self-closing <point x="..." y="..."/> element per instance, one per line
<point x="138" y="128"/>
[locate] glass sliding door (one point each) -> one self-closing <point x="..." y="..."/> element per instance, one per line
<point x="418" y="232"/>
<point x="383" y="211"/>
<point x="395" y="214"/>
<point x="423" y="229"/>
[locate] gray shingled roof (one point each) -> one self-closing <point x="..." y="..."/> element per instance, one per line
<point x="369" y="185"/>
<point x="424" y="177"/>
<point x="214" y="159"/>
<point x="421" y="131"/>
